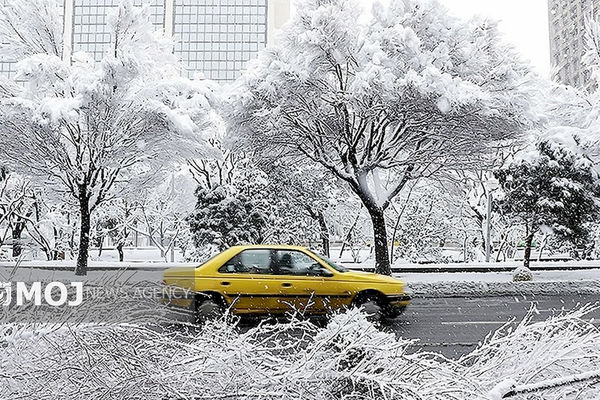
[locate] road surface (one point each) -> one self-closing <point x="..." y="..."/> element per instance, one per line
<point x="454" y="326"/>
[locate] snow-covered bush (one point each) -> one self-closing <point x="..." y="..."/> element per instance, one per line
<point x="521" y="274"/>
<point x="348" y="359"/>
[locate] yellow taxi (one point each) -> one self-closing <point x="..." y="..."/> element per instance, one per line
<point x="276" y="279"/>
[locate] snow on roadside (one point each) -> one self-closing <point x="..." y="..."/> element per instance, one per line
<point x="478" y="284"/>
<point x="32" y="274"/>
<point x="429" y="284"/>
<point x="491" y="289"/>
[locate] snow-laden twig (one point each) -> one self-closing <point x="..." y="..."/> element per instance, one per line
<point x="553" y="383"/>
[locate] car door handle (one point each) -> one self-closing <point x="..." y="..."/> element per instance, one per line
<point x="286" y="284"/>
<point x="225" y="283"/>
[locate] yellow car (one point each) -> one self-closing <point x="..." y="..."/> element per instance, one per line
<point x="270" y="279"/>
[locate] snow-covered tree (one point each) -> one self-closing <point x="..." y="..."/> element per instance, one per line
<point x="308" y="190"/>
<point x="89" y="127"/>
<point x="218" y="165"/>
<point x="411" y="92"/>
<point x="552" y="188"/>
<point x="114" y="220"/>
<point x="14" y="194"/>
<point x="30" y="27"/>
<point x="162" y="212"/>
<point x="227" y="216"/>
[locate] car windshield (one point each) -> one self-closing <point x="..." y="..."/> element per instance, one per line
<point x="332" y="264"/>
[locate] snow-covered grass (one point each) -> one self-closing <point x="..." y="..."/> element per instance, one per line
<point x="348" y="359"/>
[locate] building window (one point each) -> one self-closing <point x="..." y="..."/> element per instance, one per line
<point x="218" y="37"/>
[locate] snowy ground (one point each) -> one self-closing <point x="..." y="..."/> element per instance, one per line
<point x="403" y="268"/>
<point x="478" y="284"/>
<point x="422" y="284"/>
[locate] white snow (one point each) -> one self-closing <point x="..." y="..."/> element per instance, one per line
<point x="502" y="388"/>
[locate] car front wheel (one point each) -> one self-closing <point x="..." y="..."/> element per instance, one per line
<point x="372" y="305"/>
<point x="391" y="312"/>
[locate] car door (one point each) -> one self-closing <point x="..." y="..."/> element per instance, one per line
<point x="248" y="282"/>
<point x="305" y="287"/>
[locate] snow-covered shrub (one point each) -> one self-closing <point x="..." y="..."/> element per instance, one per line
<point x="348" y="359"/>
<point x="533" y="352"/>
<point x="521" y="274"/>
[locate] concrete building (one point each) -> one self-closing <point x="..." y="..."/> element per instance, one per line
<point x="566" y="20"/>
<point x="215" y="37"/>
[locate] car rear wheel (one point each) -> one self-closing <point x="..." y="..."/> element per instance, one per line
<point x="208" y="310"/>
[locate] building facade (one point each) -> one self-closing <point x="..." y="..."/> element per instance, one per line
<point x="214" y="37"/>
<point x="567" y="19"/>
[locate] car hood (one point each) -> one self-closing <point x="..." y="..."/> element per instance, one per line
<point x="368" y="276"/>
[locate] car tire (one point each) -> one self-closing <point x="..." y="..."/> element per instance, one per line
<point x="372" y="305"/>
<point x="391" y="312"/>
<point x="207" y="310"/>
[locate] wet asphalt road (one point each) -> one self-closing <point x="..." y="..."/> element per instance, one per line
<point x="454" y="326"/>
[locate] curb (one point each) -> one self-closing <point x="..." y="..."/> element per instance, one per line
<point x="468" y="268"/>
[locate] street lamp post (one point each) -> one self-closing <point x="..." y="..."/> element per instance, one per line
<point x="488" y="239"/>
<point x="491" y="185"/>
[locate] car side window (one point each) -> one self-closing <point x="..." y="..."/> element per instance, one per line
<point x="291" y="262"/>
<point x="253" y="261"/>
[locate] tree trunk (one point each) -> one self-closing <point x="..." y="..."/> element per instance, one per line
<point x="324" y="233"/>
<point x="382" y="260"/>
<point x="84" y="232"/>
<point x="120" y="251"/>
<point x="17" y="230"/>
<point x="527" y="255"/>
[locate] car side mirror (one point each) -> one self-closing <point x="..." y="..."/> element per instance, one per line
<point x="317" y="269"/>
<point x="325" y="272"/>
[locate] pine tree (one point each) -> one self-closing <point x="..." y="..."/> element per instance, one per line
<point x="225" y="216"/>
<point x="554" y="188"/>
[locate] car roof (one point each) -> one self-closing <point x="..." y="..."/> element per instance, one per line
<point x="269" y="246"/>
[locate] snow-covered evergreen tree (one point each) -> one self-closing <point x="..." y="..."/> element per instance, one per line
<point x="551" y="188"/>
<point x="227" y="216"/>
